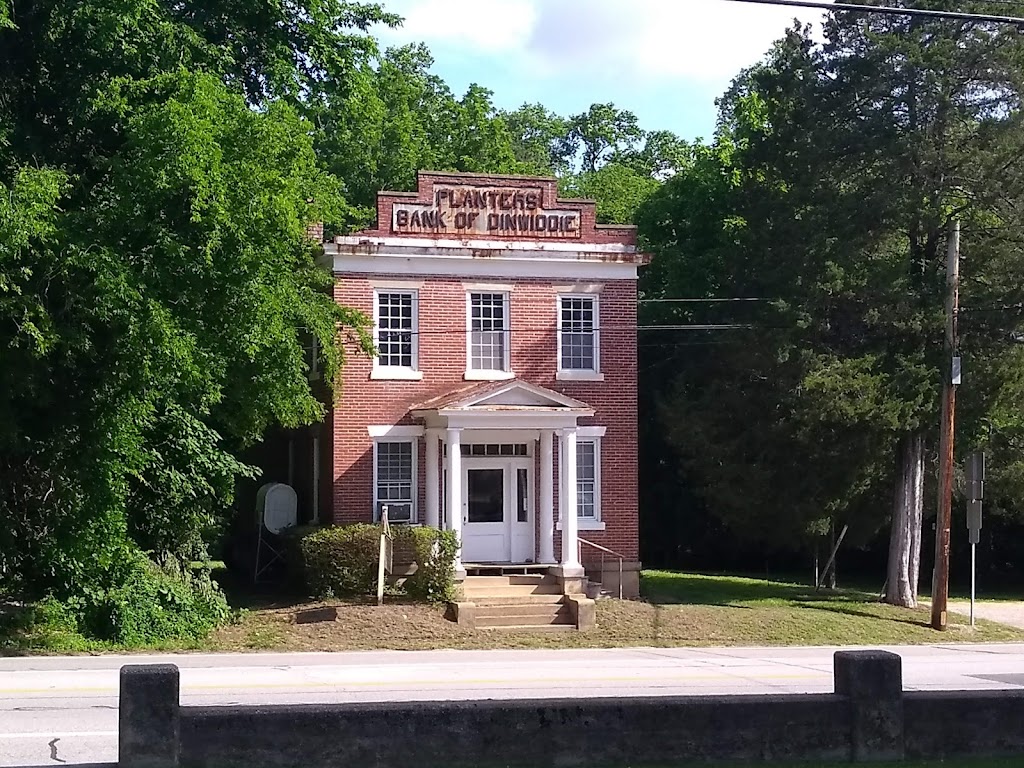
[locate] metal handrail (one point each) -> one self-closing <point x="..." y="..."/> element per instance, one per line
<point x="603" y="551"/>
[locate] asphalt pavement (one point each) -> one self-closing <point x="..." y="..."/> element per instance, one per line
<point x="63" y="710"/>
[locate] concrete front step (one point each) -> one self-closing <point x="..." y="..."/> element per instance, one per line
<point x="532" y="579"/>
<point x="473" y="593"/>
<point x="545" y="611"/>
<point x="519" y="600"/>
<point x="532" y="628"/>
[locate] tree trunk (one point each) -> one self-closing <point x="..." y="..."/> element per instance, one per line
<point x="905" y="536"/>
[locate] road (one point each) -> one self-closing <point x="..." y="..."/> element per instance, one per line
<point x="57" y="710"/>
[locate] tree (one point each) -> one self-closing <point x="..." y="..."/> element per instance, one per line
<point x="539" y="140"/>
<point x="156" y="278"/>
<point x="601" y="131"/>
<point x="618" y="189"/>
<point x="848" y="161"/>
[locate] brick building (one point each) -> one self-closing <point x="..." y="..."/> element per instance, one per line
<point x="505" y="387"/>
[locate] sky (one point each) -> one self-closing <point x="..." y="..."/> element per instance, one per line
<point x="664" y="60"/>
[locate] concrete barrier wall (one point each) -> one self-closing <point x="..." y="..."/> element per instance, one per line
<point x="964" y="723"/>
<point x="867" y="718"/>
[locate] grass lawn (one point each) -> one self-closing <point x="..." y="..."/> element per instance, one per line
<point x="678" y="609"/>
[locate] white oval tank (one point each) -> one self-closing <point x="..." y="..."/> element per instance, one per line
<point x="276" y="507"/>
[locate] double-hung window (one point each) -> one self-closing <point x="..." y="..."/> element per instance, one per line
<point x="394" y="480"/>
<point x="588" y="481"/>
<point x="578" y="342"/>
<point x="488" y="343"/>
<point x="395" y="317"/>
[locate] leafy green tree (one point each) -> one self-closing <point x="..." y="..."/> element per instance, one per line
<point x="600" y="132"/>
<point x="619" y="190"/>
<point x="156" y="279"/>
<point x="540" y="140"/>
<point x="837" y="171"/>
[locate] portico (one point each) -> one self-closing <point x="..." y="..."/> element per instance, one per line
<point x="490" y="473"/>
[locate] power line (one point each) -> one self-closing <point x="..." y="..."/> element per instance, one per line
<point x="696" y="301"/>
<point x="891" y="11"/>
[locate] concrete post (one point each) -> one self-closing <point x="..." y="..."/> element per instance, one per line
<point x="873" y="682"/>
<point x="567" y="505"/>
<point x="149" y="721"/>
<point x="546" y="502"/>
<point x="455" y="494"/>
<point x="433" y="484"/>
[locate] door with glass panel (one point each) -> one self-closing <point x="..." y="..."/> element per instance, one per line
<point x="497" y="519"/>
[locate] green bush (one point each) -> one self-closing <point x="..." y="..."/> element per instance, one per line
<point x="156" y="603"/>
<point x="343" y="560"/>
<point x="434" y="555"/>
<point x="143" y="604"/>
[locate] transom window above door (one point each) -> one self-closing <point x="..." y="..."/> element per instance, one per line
<point x="396" y="329"/>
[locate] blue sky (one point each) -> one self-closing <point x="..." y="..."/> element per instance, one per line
<point x="665" y="60"/>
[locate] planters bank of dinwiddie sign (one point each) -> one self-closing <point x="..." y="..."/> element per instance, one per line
<point x="493" y="211"/>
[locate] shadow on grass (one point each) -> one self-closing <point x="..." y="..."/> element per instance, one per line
<point x="848" y="610"/>
<point x="669" y="588"/>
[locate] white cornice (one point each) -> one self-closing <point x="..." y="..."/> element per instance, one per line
<point x="465" y="265"/>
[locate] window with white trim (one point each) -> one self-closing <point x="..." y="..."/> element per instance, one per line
<point x="588" y="480"/>
<point x="394" y="479"/>
<point x="578" y="333"/>
<point x="395" y="316"/>
<point x="488" y="332"/>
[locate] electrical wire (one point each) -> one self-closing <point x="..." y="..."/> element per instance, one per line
<point x="891" y="11"/>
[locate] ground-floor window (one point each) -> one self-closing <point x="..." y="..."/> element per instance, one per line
<point x="394" y="479"/>
<point x="588" y="480"/>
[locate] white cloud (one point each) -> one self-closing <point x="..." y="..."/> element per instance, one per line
<point x="481" y="26"/>
<point x="702" y="41"/>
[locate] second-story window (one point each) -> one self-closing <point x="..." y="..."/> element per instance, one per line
<point x="488" y="332"/>
<point x="396" y="330"/>
<point x="578" y="334"/>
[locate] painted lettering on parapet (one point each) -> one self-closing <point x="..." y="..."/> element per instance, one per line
<point x="492" y="211"/>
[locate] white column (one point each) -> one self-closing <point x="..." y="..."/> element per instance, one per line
<point x="567" y="502"/>
<point x="433" y="516"/>
<point x="455" y="491"/>
<point x="546" y="502"/>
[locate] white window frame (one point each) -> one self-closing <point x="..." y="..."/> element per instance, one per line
<point x="590" y="523"/>
<point x="480" y="374"/>
<point x="579" y="374"/>
<point x="414" y="482"/>
<point x="397" y="372"/>
<point x="595" y="523"/>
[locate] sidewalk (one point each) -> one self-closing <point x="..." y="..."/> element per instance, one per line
<point x="1009" y="613"/>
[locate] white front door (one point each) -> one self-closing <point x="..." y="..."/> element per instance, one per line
<point x="497" y="515"/>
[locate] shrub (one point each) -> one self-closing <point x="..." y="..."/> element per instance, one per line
<point x="434" y="554"/>
<point x="155" y="603"/>
<point x="142" y="604"/>
<point x="343" y="560"/>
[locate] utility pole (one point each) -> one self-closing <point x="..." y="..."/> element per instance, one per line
<point x="940" y="575"/>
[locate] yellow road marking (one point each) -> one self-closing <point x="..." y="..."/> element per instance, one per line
<point x="407" y="683"/>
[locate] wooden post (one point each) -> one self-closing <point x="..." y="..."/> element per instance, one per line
<point x="940" y="575"/>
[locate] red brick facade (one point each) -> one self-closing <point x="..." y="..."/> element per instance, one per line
<point x="442" y="348"/>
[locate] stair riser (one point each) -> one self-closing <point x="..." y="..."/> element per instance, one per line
<point x="517" y="611"/>
<point x="536" y="628"/>
<point x="473" y="581"/>
<point x="496" y="592"/>
<point x="538" y="600"/>
<point x="522" y="621"/>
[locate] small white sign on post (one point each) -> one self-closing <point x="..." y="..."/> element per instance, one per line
<point x="385" y="563"/>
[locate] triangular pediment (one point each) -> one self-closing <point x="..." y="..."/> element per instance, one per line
<point x="502" y="395"/>
<point x="523" y="395"/>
